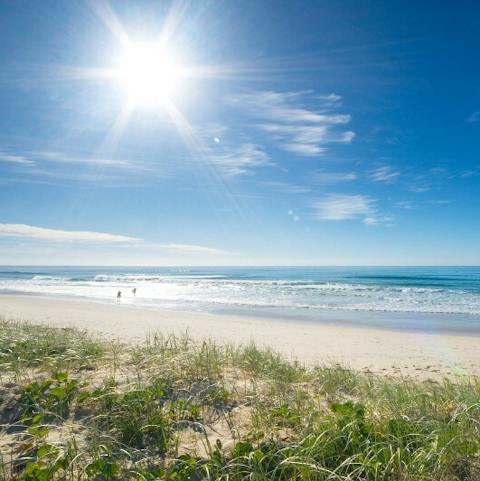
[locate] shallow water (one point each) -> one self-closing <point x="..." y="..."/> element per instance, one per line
<point x="419" y="296"/>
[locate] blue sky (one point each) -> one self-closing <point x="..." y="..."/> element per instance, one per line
<point x="317" y="133"/>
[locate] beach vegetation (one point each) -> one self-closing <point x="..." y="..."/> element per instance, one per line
<point x="77" y="408"/>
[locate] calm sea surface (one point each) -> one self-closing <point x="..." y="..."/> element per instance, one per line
<point x="413" y="297"/>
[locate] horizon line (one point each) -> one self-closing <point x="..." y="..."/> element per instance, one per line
<point x="237" y="265"/>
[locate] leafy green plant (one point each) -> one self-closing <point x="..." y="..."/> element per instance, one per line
<point x="52" y="396"/>
<point x="136" y="418"/>
<point x="282" y="421"/>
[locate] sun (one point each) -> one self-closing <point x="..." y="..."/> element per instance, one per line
<point x="148" y="73"/>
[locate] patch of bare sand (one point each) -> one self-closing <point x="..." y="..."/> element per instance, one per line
<point x="417" y="354"/>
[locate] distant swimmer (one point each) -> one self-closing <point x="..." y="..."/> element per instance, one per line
<point x="119" y="296"/>
<point x="134" y="291"/>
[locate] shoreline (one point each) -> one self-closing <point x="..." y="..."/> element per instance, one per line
<point x="414" y="353"/>
<point x="465" y="324"/>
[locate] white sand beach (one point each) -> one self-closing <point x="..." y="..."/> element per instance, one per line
<point x="416" y="354"/>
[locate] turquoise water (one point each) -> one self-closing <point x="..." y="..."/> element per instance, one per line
<point x="446" y="296"/>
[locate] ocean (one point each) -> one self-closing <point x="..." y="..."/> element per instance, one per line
<point x="438" y="298"/>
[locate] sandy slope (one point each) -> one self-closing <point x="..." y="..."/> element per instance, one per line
<point x="418" y="354"/>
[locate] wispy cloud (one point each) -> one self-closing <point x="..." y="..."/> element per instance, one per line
<point x="323" y="177"/>
<point x="42" y="233"/>
<point x="389" y="221"/>
<point x="474" y="117"/>
<point x="287" y="187"/>
<point x="37" y="156"/>
<point x="419" y="185"/>
<point x="333" y="97"/>
<point x="294" y="127"/>
<point x="436" y="178"/>
<point x="344" y="207"/>
<point x="384" y="174"/>
<point x="465" y="174"/>
<point x="192" y="249"/>
<point x="238" y="160"/>
<point x="76" y="158"/>
<point x="404" y="204"/>
<point x="348" y="207"/>
<point x="283" y="106"/>
<point x="15" y="159"/>
<point x="25" y="231"/>
<point x="81" y="167"/>
<point x="433" y="178"/>
<point x="419" y="189"/>
<point x="438" y="171"/>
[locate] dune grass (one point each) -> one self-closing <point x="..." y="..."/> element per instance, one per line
<point x="76" y="408"/>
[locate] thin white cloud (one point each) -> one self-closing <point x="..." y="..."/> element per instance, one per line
<point x="42" y="233"/>
<point x="404" y="204"/>
<point x="288" y="188"/>
<point x="303" y="149"/>
<point x="474" y="117"/>
<point x="385" y="174"/>
<point x="376" y="220"/>
<point x="438" y="171"/>
<point x="323" y="177"/>
<point x="281" y="106"/>
<point x="24" y="231"/>
<point x="295" y="128"/>
<point x="419" y="188"/>
<point x="41" y="164"/>
<point x="239" y="160"/>
<point x="333" y="97"/>
<point x="193" y="249"/>
<point x="349" y="207"/>
<point x="222" y="148"/>
<point x="15" y="159"/>
<point x="345" y="137"/>
<point x="465" y="174"/>
<point x="34" y="157"/>
<point x="345" y="207"/>
<point x="74" y="158"/>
